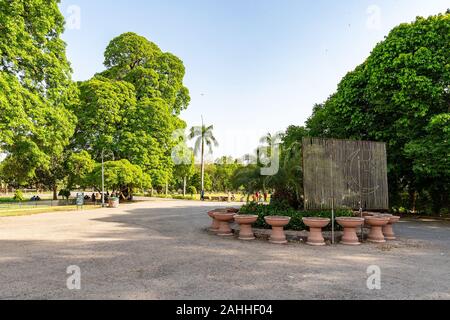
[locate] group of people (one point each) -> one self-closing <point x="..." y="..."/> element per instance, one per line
<point x="231" y="196"/>
<point x="260" y="196"/>
<point x="35" y="198"/>
<point x="98" y="196"/>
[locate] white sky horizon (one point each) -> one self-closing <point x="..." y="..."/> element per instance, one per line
<point x="253" y="66"/>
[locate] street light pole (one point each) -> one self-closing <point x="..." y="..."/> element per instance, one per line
<point x="103" y="181"/>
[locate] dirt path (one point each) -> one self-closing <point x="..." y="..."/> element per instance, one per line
<point x="159" y="250"/>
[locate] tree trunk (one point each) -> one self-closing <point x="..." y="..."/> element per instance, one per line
<point x="55" y="192"/>
<point x="167" y="188"/>
<point x="436" y="200"/>
<point x="184" y="186"/>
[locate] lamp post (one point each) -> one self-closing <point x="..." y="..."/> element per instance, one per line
<point x="103" y="180"/>
<point x="103" y="177"/>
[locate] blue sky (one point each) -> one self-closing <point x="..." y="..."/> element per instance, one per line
<point x="252" y="66"/>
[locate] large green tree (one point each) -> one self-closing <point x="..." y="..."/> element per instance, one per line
<point x="131" y="109"/>
<point x="120" y="176"/>
<point x="155" y="74"/>
<point x="35" y="89"/>
<point x="204" y="138"/>
<point x="398" y="95"/>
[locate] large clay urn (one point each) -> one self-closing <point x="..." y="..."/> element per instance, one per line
<point x="277" y="223"/>
<point x="215" y="223"/>
<point x="224" y="219"/>
<point x="388" y="230"/>
<point x="315" y="237"/>
<point x="376" y="224"/>
<point x="350" y="238"/>
<point x="245" y="226"/>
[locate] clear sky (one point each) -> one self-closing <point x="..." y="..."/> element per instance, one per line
<point x="252" y="66"/>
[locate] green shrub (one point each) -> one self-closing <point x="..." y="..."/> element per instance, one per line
<point x="65" y="193"/>
<point x="18" y="195"/>
<point x="192" y="190"/>
<point x="281" y="209"/>
<point x="181" y="197"/>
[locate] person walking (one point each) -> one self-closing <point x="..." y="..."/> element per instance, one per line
<point x="202" y="195"/>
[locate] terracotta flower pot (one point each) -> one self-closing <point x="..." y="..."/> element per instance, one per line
<point x="388" y="230"/>
<point x="245" y="226"/>
<point x="278" y="223"/>
<point x="232" y="210"/>
<point x="376" y="224"/>
<point x="224" y="219"/>
<point x="350" y="237"/>
<point x="215" y="224"/>
<point x="315" y="237"/>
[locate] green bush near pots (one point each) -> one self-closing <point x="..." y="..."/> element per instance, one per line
<point x="296" y="223"/>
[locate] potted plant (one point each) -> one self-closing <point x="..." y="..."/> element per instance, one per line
<point x="224" y="219"/>
<point x="113" y="202"/>
<point x="388" y="230"/>
<point x="245" y="226"/>
<point x="215" y="223"/>
<point x="376" y="224"/>
<point x="278" y="223"/>
<point x="315" y="237"/>
<point x="350" y="224"/>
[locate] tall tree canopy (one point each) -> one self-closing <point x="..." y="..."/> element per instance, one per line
<point x="400" y="95"/>
<point x="155" y="74"/>
<point x="131" y="109"/>
<point x="35" y="88"/>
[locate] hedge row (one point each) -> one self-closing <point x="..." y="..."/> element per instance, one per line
<point x="296" y="223"/>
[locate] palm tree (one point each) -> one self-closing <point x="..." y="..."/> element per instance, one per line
<point x="272" y="139"/>
<point x="205" y="137"/>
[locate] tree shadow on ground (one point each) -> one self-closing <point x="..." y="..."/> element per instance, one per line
<point x="165" y="253"/>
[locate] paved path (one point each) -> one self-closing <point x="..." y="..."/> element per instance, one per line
<point x="159" y="250"/>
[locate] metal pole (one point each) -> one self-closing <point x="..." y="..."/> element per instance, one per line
<point x="360" y="196"/>
<point x="103" y="182"/>
<point x="332" y="204"/>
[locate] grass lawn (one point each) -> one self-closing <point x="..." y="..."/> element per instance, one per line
<point x="12" y="212"/>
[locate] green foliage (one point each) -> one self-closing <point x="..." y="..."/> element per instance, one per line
<point x="119" y="176"/>
<point x="288" y="182"/>
<point x="79" y="166"/>
<point x="131" y="108"/>
<point x="32" y="49"/>
<point x="35" y="91"/>
<point x="400" y="95"/>
<point x="180" y="197"/>
<point x="18" y="195"/>
<point x="192" y="190"/>
<point x="296" y="216"/>
<point x="222" y="172"/>
<point x="196" y="181"/>
<point x="184" y="162"/>
<point x="248" y="178"/>
<point x="154" y="74"/>
<point x="204" y="137"/>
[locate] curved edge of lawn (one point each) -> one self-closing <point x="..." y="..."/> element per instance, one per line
<point x="35" y="211"/>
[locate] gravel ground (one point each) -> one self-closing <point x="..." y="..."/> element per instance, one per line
<point x="160" y="250"/>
